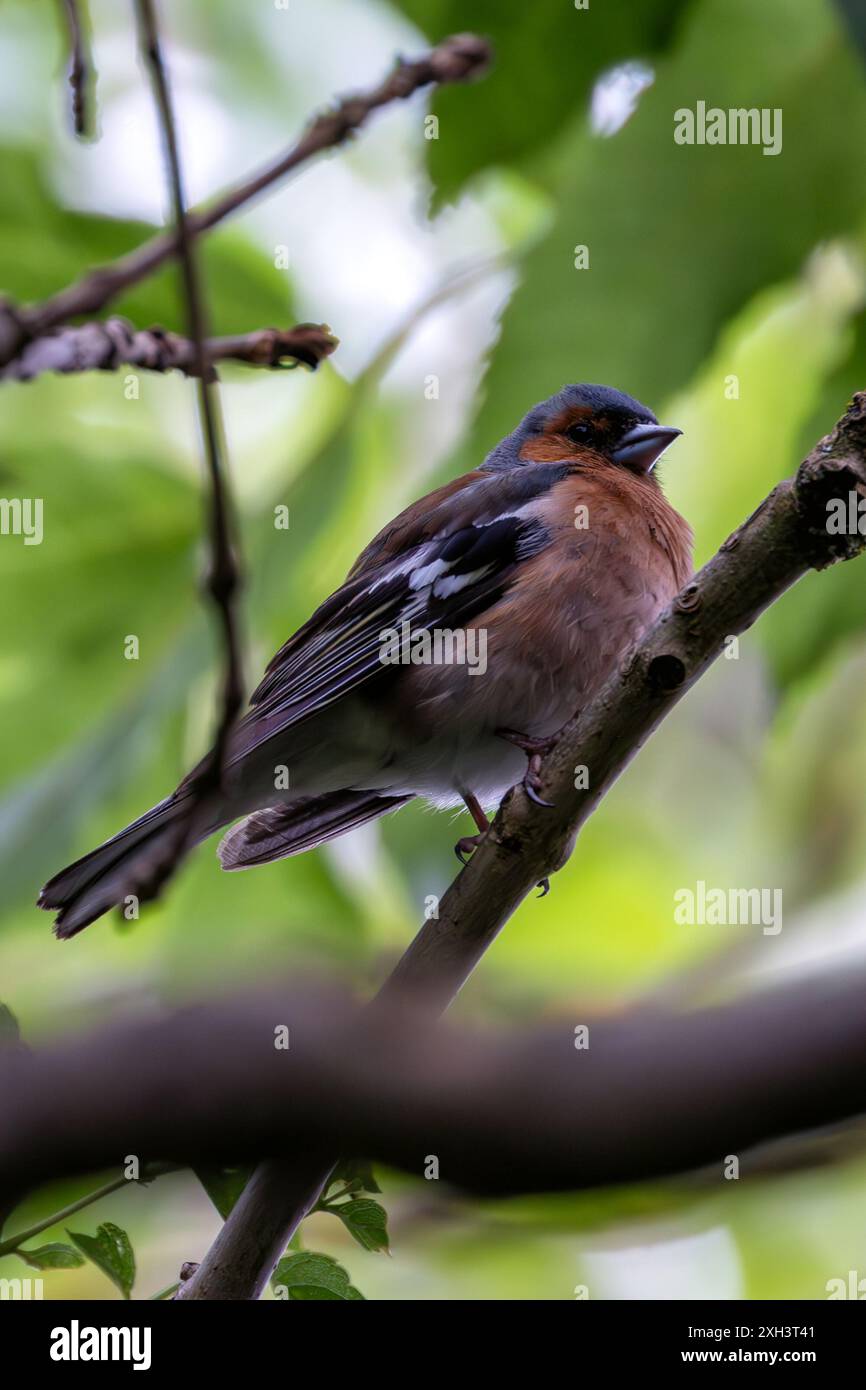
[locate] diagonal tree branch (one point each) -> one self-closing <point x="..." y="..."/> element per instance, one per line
<point x="104" y="345"/>
<point x="653" y="1095"/>
<point x="785" y="537"/>
<point x="456" y="59"/>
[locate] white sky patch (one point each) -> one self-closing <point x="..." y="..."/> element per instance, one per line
<point x="809" y="948"/>
<point x="616" y="95"/>
<point x="705" y="1265"/>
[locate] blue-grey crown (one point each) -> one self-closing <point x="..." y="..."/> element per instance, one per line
<point x="507" y="452"/>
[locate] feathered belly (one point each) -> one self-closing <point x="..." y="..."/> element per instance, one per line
<point x="431" y="731"/>
<point x="444" y="717"/>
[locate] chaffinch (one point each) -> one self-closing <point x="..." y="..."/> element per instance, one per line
<point x="466" y="634"/>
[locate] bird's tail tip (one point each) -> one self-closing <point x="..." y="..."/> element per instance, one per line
<point x="102" y="879"/>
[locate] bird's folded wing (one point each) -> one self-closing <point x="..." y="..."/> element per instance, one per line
<point x="441" y="563"/>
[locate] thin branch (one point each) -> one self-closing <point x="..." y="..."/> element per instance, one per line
<point x="164" y="1293"/>
<point x="13" y="1243"/>
<point x="784" y="538"/>
<point x="223" y="575"/>
<point x="105" y="345"/>
<point x="653" y="1095"/>
<point x="80" y="70"/>
<point x="456" y="59"/>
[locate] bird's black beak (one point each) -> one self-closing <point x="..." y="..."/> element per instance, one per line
<point x="642" y="445"/>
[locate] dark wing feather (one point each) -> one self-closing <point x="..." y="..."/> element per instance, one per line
<point x="439" y="580"/>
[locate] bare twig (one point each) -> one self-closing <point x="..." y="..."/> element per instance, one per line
<point x="780" y="542"/>
<point x="104" y="345"/>
<point x="223" y="575"/>
<point x="456" y="59"/>
<point x="80" y="69"/>
<point x="654" y="1094"/>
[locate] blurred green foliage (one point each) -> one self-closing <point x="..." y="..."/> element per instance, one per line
<point x="707" y="267"/>
<point x="680" y="237"/>
<point x="547" y="59"/>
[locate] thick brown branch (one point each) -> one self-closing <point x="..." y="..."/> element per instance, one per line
<point x="652" y="1095"/>
<point x="786" y="536"/>
<point x="104" y="346"/>
<point x="456" y="59"/>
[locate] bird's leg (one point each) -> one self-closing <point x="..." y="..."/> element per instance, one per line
<point x="468" y="843"/>
<point x="535" y="749"/>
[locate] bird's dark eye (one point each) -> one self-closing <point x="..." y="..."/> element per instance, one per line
<point x="578" y="433"/>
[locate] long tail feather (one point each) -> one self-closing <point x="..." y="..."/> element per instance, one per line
<point x="281" y="831"/>
<point x="100" y="880"/>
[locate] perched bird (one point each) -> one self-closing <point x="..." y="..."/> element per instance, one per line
<point x="549" y="561"/>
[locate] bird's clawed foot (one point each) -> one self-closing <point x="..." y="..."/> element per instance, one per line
<point x="469" y="843"/>
<point x="535" y="749"/>
<point x="466" y="846"/>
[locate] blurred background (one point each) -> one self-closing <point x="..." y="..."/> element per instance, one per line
<point x="724" y="287"/>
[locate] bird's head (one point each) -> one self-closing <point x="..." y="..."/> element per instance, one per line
<point x="584" y="425"/>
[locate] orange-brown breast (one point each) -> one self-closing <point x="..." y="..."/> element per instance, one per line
<point x="584" y="601"/>
<point x="573" y="610"/>
<point x="611" y="502"/>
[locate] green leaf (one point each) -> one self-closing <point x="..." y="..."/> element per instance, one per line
<point x="356" y="1174"/>
<point x="807" y="765"/>
<point x="111" y="1251"/>
<point x="666" y="272"/>
<point x="223" y="1186"/>
<point x="309" y="1276"/>
<point x="789" y="350"/>
<point x="53" y="1256"/>
<point x="99" y="511"/>
<point x="547" y="56"/>
<point x="364" y="1219"/>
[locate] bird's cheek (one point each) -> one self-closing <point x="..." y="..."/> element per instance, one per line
<point x="550" y="448"/>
